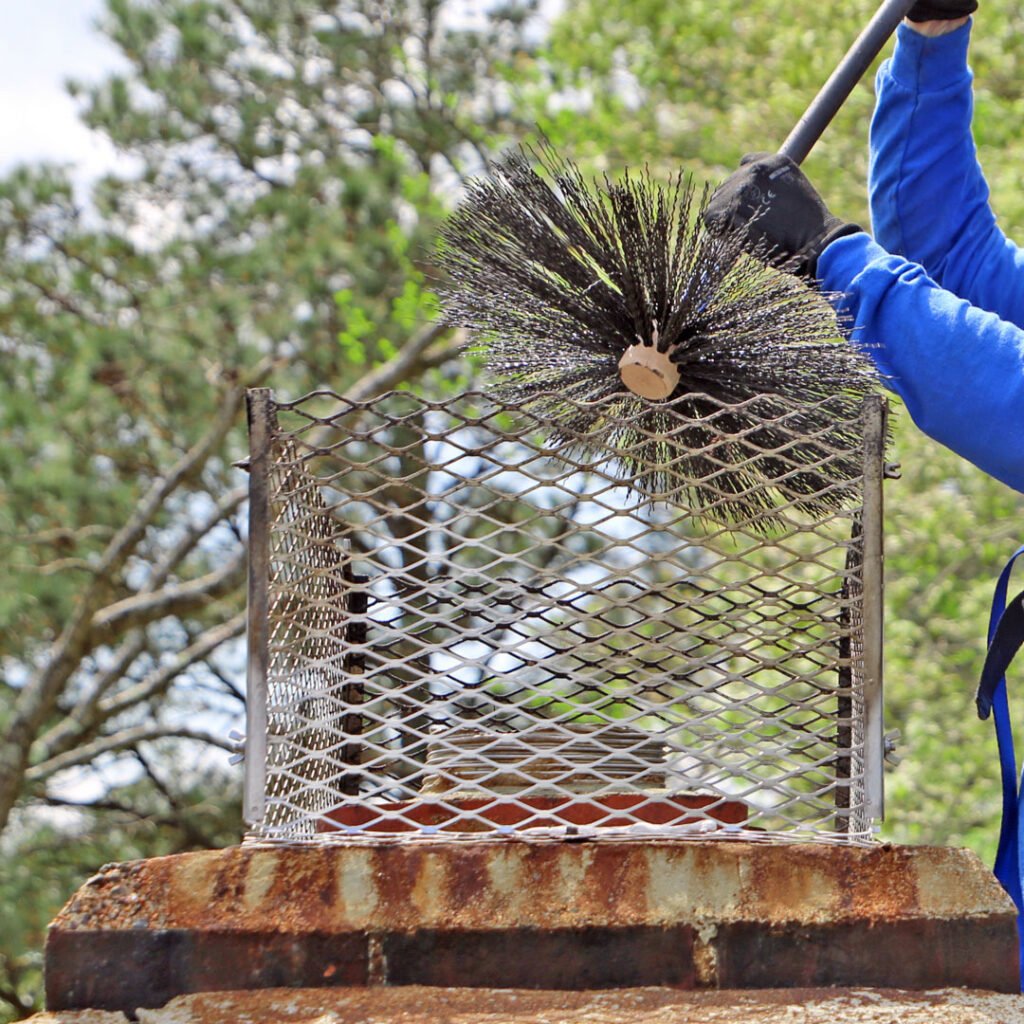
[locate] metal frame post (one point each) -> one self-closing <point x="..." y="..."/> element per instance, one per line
<point x="875" y="412"/>
<point x="851" y="591"/>
<point x="260" y="410"/>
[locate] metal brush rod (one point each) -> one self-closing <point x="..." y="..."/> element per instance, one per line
<point x="841" y="82"/>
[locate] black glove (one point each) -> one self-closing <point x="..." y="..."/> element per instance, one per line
<point x="941" y="10"/>
<point x="785" y="221"/>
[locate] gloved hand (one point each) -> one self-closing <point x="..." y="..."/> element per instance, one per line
<point x="941" y="10"/>
<point x="770" y="200"/>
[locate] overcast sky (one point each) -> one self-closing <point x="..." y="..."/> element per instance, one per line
<point x="45" y="42"/>
<point x="42" y="44"/>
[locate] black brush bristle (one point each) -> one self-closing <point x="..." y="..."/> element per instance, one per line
<point x="558" y="277"/>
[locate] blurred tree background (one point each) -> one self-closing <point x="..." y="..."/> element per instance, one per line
<point x="292" y="160"/>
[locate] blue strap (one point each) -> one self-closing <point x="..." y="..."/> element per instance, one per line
<point x="1009" y="867"/>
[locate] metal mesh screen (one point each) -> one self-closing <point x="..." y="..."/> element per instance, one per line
<point x="455" y="631"/>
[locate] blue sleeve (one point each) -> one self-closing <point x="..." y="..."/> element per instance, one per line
<point x="929" y="199"/>
<point x="958" y="368"/>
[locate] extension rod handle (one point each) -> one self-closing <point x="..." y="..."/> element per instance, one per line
<point x="841" y="82"/>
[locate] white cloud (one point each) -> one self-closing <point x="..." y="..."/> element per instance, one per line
<point x="45" y="43"/>
<point x="42" y="125"/>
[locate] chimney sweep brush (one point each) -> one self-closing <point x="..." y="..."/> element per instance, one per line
<point x="609" y="310"/>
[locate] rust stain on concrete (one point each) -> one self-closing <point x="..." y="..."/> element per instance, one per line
<point x="260" y="874"/>
<point x="492" y="885"/>
<point x="497" y="886"/>
<point x="247" y="888"/>
<point x="802" y="887"/>
<point x="571" y="876"/>
<point x="620" y="880"/>
<point x="197" y="882"/>
<point x="113" y="897"/>
<point x="392" y="870"/>
<point x="428" y="895"/>
<point x="705" y="957"/>
<point x="711" y="913"/>
<point x="556" y="889"/>
<point x="358" y="897"/>
<point x="886" y="890"/>
<point x="953" y="885"/>
<point x="691" y="882"/>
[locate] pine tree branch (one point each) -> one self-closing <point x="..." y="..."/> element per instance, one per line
<point x="61" y="535"/>
<point x="61" y="565"/>
<point x="422" y="351"/>
<point x="77" y="638"/>
<point x="126" y="739"/>
<point x="181" y="599"/>
<point x="81" y="721"/>
<point x="85" y="721"/>
<point x="162" y="571"/>
<point x="38" y="698"/>
<point x="9" y="995"/>
<point x="415" y="355"/>
<point x="106" y="804"/>
<point x="128" y="537"/>
<point x="229" y="686"/>
<point x="194" y="837"/>
<point x="158" y="682"/>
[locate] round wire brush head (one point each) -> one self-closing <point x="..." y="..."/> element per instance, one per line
<point x="608" y="310"/>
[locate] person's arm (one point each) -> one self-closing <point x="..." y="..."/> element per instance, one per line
<point x="958" y="368"/>
<point x="929" y="199"/>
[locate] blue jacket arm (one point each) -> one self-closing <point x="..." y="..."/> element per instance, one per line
<point x="959" y="369"/>
<point x="929" y="199"/>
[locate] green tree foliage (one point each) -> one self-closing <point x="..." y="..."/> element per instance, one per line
<point x="287" y="163"/>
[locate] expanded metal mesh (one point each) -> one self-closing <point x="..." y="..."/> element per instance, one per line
<point x="456" y="631"/>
